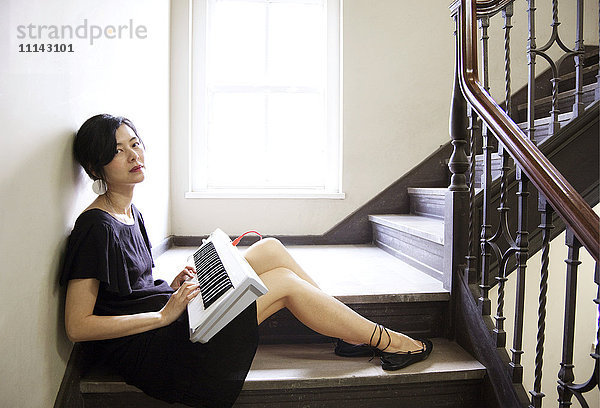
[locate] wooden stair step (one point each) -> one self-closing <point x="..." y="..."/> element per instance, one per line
<point x="565" y="98"/>
<point x="427" y="228"/>
<point x="428" y="202"/>
<point x="416" y="240"/>
<point x="589" y="73"/>
<point x="287" y="375"/>
<point x="542" y="126"/>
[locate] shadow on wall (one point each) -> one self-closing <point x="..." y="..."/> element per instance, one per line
<point x="70" y="191"/>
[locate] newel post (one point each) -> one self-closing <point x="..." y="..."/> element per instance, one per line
<point x="456" y="229"/>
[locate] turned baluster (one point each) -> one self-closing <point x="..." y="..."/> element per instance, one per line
<point x="566" y="375"/>
<point x="471" y="259"/>
<point x="522" y="244"/>
<point x="531" y="70"/>
<point x="546" y="227"/>
<point x="486" y="182"/>
<point x="578" y="105"/>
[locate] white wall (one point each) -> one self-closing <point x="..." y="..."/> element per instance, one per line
<point x="44" y="98"/>
<point x="398" y="67"/>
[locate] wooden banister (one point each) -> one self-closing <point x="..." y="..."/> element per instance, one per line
<point x="565" y="200"/>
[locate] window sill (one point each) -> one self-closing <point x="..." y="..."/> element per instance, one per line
<point x="265" y="194"/>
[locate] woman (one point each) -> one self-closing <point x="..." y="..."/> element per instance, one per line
<point x="137" y="324"/>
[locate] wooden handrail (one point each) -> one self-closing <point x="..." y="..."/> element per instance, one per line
<point x="490" y="7"/>
<point x="484" y="7"/>
<point x="565" y="200"/>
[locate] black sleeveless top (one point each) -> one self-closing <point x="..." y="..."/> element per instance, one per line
<point x="118" y="255"/>
<point x="163" y="362"/>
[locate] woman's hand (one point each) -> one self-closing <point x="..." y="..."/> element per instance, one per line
<point x="178" y="302"/>
<point x="187" y="273"/>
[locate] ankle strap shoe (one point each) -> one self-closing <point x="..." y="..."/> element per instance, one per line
<point x="398" y="360"/>
<point x="344" y="349"/>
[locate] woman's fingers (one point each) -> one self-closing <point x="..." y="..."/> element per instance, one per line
<point x="184" y="291"/>
<point x="187" y="273"/>
<point x="193" y="294"/>
<point x="190" y="287"/>
<point x="193" y="291"/>
<point x="186" y="288"/>
<point x="179" y="300"/>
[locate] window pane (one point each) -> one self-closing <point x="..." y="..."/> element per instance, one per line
<point x="296" y="44"/>
<point x="237" y="43"/>
<point x="296" y="139"/>
<point x="265" y="102"/>
<point x="236" y="136"/>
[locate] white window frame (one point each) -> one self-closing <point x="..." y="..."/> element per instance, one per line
<point x="197" y="133"/>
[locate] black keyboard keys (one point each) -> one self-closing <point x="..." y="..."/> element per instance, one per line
<point x="212" y="276"/>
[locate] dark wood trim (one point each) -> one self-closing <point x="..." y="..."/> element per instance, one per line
<point x="461" y="393"/>
<point x="472" y="334"/>
<point x="68" y="394"/>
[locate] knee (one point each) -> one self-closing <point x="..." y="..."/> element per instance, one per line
<point x="267" y="247"/>
<point x="271" y="244"/>
<point x="284" y="280"/>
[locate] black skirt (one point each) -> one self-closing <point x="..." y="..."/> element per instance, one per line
<point x="166" y="365"/>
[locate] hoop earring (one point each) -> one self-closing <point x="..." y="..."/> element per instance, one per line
<point x="99" y="186"/>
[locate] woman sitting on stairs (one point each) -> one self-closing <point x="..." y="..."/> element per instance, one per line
<point x="137" y="324"/>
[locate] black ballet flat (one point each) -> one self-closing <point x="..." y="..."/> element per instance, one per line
<point x="398" y="360"/>
<point x="344" y="349"/>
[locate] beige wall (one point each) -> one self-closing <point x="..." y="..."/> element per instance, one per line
<point x="44" y="98"/>
<point x="398" y="67"/>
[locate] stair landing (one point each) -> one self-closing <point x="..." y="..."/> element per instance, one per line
<point x="351" y="273"/>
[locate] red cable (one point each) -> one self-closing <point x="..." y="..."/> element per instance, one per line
<point x="237" y="240"/>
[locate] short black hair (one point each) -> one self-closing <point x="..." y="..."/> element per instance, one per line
<point x="95" y="143"/>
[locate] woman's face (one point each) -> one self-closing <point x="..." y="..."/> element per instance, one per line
<point x="127" y="167"/>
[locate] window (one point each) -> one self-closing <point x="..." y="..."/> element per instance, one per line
<point x="265" y="98"/>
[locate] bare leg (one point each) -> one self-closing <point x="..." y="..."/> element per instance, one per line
<point x="321" y="312"/>
<point x="269" y="253"/>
